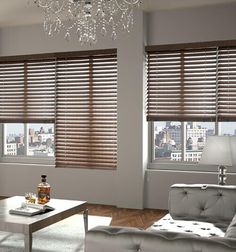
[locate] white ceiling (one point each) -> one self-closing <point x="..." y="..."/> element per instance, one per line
<point x="25" y="12"/>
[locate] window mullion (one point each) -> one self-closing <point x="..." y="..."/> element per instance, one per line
<point x="182" y="104"/>
<point x="183" y="139"/>
<point x="152" y="139"/>
<point x="4" y="139"/>
<point x="26" y="139"/>
<point x="217" y="128"/>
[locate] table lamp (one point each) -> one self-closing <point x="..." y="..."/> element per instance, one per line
<point x="218" y="150"/>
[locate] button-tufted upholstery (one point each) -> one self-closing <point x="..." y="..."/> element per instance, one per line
<point x="199" y="216"/>
<point x="202" y="202"/>
<point x="117" y="239"/>
<point x="199" y="228"/>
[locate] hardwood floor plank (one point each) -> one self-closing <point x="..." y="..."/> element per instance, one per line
<point x="127" y="217"/>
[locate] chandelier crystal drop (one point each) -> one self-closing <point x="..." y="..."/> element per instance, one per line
<point x="87" y="17"/>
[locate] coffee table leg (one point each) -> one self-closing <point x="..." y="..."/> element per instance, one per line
<point x="85" y="214"/>
<point x="28" y="242"/>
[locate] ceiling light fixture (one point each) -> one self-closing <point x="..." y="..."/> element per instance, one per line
<point x="87" y="17"/>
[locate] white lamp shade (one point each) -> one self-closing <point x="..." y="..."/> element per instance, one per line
<point x="219" y="150"/>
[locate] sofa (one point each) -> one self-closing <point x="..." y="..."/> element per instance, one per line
<point x="201" y="218"/>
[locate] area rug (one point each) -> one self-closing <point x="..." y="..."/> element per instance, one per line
<point x="64" y="236"/>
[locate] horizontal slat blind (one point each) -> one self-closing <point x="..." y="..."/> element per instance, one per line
<point x="41" y="90"/>
<point x="227" y="84"/>
<point x="12" y="88"/>
<point x="181" y="85"/>
<point x="27" y="91"/>
<point x="164" y="84"/>
<point x="199" y="83"/>
<point x="86" y="114"/>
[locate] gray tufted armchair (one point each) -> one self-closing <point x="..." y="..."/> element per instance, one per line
<point x="201" y="219"/>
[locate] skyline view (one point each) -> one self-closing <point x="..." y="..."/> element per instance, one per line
<point x="38" y="142"/>
<point x="226" y="127"/>
<point x="168" y="139"/>
<point x="19" y="127"/>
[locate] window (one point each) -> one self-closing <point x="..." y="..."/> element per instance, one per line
<point x="190" y="95"/>
<point x="27" y="98"/>
<point x="167" y="139"/>
<point x="180" y="141"/>
<point x="14" y="140"/>
<point x="37" y="142"/>
<point x="75" y="93"/>
<point x="227" y="128"/>
<point x="40" y="140"/>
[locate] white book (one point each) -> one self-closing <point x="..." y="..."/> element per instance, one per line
<point x="29" y="209"/>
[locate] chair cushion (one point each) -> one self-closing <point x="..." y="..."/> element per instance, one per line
<point x="198" y="228"/>
<point x="123" y="239"/>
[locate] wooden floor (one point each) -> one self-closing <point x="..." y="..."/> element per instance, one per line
<point x="126" y="217"/>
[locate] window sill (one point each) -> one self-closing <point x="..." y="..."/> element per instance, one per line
<point x="188" y="167"/>
<point x="28" y="161"/>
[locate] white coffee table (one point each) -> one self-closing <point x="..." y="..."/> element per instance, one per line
<point x="27" y="225"/>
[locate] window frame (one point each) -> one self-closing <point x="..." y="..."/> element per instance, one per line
<point x="183" y="146"/>
<point x="183" y="165"/>
<point x="179" y="165"/>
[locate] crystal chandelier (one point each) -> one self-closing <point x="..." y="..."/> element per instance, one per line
<point x="87" y="17"/>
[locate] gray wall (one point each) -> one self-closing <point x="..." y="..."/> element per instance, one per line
<point x="192" y="25"/>
<point x="125" y="186"/>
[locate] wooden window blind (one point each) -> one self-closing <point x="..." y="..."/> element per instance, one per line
<point x="77" y="91"/>
<point x="181" y="84"/>
<point x="227" y="84"/>
<point x="27" y="91"/>
<point x="86" y="111"/>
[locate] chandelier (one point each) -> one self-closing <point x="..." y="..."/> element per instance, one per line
<point x="87" y="18"/>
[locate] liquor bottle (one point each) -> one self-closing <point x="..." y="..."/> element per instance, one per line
<point x="43" y="191"/>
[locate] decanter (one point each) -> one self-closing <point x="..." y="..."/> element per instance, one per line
<point x="43" y="190"/>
